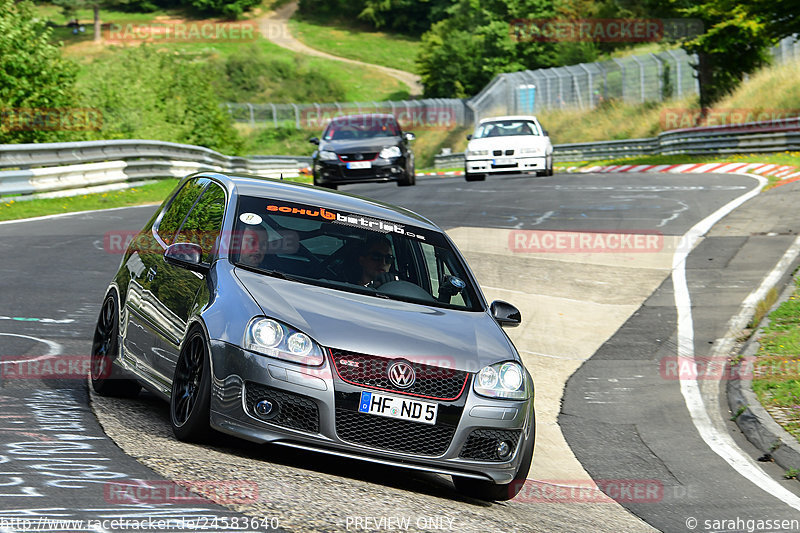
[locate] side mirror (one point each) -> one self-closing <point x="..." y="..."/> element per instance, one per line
<point x="314" y="140"/>
<point x="544" y="132"/>
<point x="505" y="314"/>
<point x="469" y="137"/>
<point x="409" y="136"/>
<point x="186" y="255"/>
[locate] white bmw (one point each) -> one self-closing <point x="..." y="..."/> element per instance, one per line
<point x="512" y="144"/>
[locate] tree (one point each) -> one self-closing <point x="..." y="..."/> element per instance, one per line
<point x="33" y="75"/>
<point x="736" y="42"/>
<point x="404" y="16"/>
<point x="463" y="52"/>
<point x="71" y="7"/>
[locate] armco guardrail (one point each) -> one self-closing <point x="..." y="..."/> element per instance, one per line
<point x="38" y="168"/>
<point x="752" y="137"/>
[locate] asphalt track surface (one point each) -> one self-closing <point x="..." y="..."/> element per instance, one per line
<point x="621" y="417"/>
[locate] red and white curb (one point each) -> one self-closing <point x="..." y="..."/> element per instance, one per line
<point x="786" y="173"/>
<point x="449" y="173"/>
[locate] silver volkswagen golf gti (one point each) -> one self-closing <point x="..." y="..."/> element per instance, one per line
<point x="307" y="318"/>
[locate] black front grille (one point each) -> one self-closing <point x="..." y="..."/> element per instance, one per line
<point x="435" y="382"/>
<point x="290" y="410"/>
<point x="364" y="156"/>
<point x="509" y="152"/>
<point x="390" y="434"/>
<point x="498" y="152"/>
<point x="482" y="444"/>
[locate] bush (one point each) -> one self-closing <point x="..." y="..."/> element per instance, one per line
<point x="33" y="76"/>
<point x="250" y="75"/>
<point x="151" y="94"/>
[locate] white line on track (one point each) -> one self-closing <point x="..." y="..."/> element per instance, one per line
<point x="719" y="441"/>
<point x="54" y="348"/>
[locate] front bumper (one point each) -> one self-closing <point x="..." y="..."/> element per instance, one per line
<point x="336" y="172"/>
<point x="321" y="415"/>
<point x="511" y="164"/>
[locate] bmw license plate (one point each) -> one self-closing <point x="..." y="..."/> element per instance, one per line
<point x="354" y="165"/>
<point x="394" y="407"/>
<point x="504" y="162"/>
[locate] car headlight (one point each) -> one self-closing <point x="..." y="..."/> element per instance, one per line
<point x="534" y="151"/>
<point x="502" y="380"/>
<point x="477" y="152"/>
<point x="327" y="155"/>
<point x="390" y="152"/>
<point x="274" y="339"/>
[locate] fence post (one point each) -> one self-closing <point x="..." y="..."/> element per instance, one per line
<point x="296" y="116"/>
<point x="660" y="67"/>
<point x="678" y="77"/>
<point x="621" y="66"/>
<point x="590" y="88"/>
<point x="274" y="115"/>
<point x="641" y="76"/>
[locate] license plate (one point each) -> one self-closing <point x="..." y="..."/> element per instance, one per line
<point x="354" y="165"/>
<point x="394" y="407"/>
<point x="504" y="161"/>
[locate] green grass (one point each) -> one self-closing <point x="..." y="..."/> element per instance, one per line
<point x="777" y="367"/>
<point x="354" y="41"/>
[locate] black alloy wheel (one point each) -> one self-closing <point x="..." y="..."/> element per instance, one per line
<point x="105" y="349"/>
<point x="191" y="390"/>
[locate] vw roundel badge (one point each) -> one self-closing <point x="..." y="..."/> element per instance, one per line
<point x="401" y="374"/>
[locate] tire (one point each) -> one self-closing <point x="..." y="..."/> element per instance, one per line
<point x="408" y="180"/>
<point x="550" y="167"/>
<point x="105" y="350"/>
<point x="474" y="177"/>
<point x="190" y="401"/>
<point x="325" y="185"/>
<point x="488" y="491"/>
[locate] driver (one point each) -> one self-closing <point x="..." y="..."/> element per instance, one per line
<point x="376" y="260"/>
<point x="254" y="245"/>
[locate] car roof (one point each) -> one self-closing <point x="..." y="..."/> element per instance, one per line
<point x="302" y="193"/>
<point x="365" y="117"/>
<point x="508" y="117"/>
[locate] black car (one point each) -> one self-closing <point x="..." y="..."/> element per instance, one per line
<point x="363" y="148"/>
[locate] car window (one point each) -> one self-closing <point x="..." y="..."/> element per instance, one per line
<point x="204" y="222"/>
<point x="506" y="128"/>
<point x="361" y="127"/>
<point x="350" y="252"/>
<point x="178" y="208"/>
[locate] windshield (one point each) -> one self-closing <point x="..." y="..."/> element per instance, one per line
<point x="506" y="128"/>
<point x="361" y="127"/>
<point x="350" y="252"/>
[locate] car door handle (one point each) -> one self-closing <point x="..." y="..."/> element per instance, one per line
<point x="151" y="274"/>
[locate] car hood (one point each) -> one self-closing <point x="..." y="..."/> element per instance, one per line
<point x="359" y="145"/>
<point x="365" y="324"/>
<point x="508" y="142"/>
